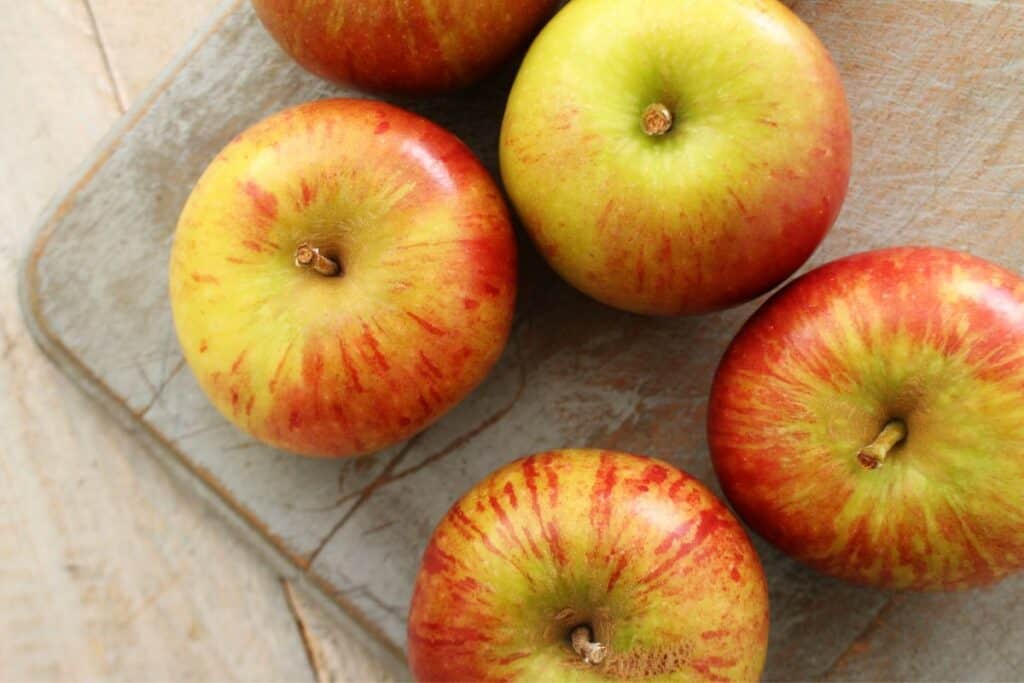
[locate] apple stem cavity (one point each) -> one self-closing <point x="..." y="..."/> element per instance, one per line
<point x="591" y="652"/>
<point x="310" y="257"/>
<point x="873" y="455"/>
<point x="657" y="120"/>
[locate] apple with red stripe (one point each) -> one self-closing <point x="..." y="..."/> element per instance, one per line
<point x="403" y="45"/>
<point x="869" y="419"/>
<point x="585" y="566"/>
<point x="342" y="274"/>
<point x="676" y="156"/>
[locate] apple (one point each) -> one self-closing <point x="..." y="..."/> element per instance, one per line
<point x="411" y="46"/>
<point x="342" y="274"/>
<point x="588" y="565"/>
<point x="676" y="156"/>
<point x="869" y="419"/>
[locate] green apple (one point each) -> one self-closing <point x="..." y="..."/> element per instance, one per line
<point x="676" y="156"/>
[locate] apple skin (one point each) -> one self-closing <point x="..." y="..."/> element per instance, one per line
<point x="722" y="208"/>
<point x="928" y="336"/>
<point x="641" y="552"/>
<point x="337" y="366"/>
<point x="416" y="46"/>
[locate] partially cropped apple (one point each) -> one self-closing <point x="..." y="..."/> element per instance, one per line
<point x="342" y="274"/>
<point x="407" y="45"/>
<point x="586" y="566"/>
<point x="869" y="419"/>
<point x="676" y="156"/>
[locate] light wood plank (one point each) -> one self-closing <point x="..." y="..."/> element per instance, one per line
<point x="107" y="569"/>
<point x="58" y="101"/>
<point x="141" y="36"/>
<point x="333" y="655"/>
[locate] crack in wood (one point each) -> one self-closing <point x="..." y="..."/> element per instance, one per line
<point x="378" y="528"/>
<point x="213" y="426"/>
<point x="364" y="495"/>
<point x="447" y="450"/>
<point x="152" y="598"/>
<point x="473" y="433"/>
<point x="160" y="388"/>
<point x="304" y="635"/>
<point x="462" y="440"/>
<point x="145" y="378"/>
<point x="108" y="66"/>
<point x="852" y="647"/>
<point x="386" y="477"/>
<point x="364" y="591"/>
<point x="8" y="341"/>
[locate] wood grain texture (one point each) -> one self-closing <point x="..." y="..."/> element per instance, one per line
<point x="141" y="36"/>
<point x="50" y="62"/>
<point x="935" y="91"/>
<point x="934" y="637"/>
<point x="333" y="655"/>
<point x="108" y="569"/>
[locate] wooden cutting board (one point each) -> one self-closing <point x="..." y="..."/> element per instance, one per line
<point x="937" y="90"/>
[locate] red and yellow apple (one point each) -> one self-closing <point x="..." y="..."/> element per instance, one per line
<point x="342" y="274"/>
<point x="869" y="419"/>
<point x="402" y="45"/>
<point x="586" y="566"/>
<point x="676" y="156"/>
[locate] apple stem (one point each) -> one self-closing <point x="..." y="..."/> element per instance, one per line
<point x="591" y="652"/>
<point x="657" y="119"/>
<point x="873" y="455"/>
<point x="307" y="256"/>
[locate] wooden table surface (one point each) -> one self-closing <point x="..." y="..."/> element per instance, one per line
<point x="108" y="570"/>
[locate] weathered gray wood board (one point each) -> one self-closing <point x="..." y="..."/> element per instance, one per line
<point x="937" y="91"/>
